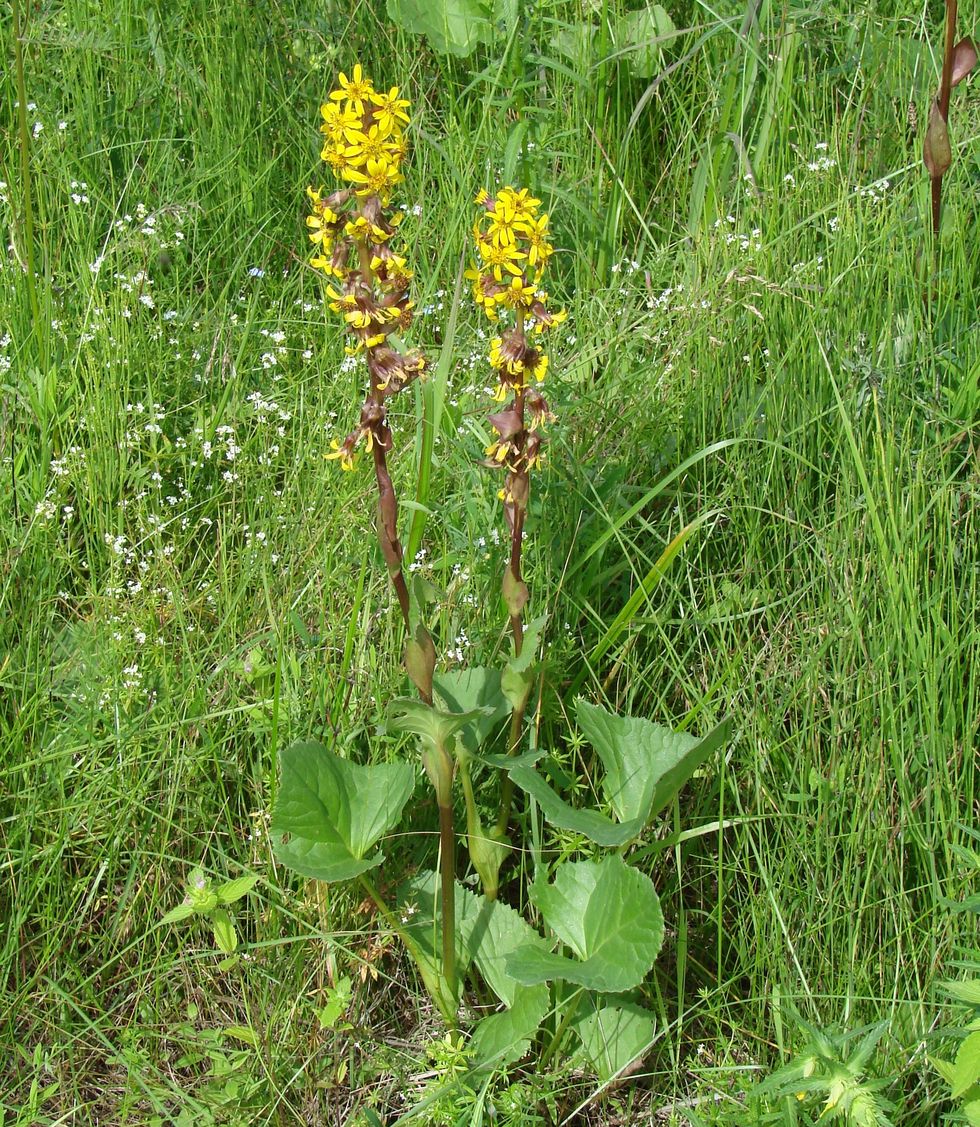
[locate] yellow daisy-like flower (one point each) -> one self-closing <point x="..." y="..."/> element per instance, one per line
<point x="325" y="263"/>
<point x="372" y="145"/>
<point x="358" y="318"/>
<point x="522" y="202"/>
<point x="356" y="89"/>
<point x="518" y="294"/>
<point x="499" y="257"/>
<point x="335" y="156"/>
<point x="322" y="229"/>
<point x="539" y="250"/>
<point x="338" y="121"/>
<point x="389" y="109"/>
<point x="504" y="225"/>
<point x="340" y="303"/>
<point x="377" y="178"/>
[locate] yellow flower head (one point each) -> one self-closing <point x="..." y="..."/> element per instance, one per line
<point x="389" y="109"/>
<point x="356" y="89"/>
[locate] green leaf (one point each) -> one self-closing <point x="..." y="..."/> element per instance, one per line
<point x="501" y="1039"/>
<point x="945" y="1069"/>
<point x="518" y="674"/>
<point x="474" y="690"/>
<point x="529" y="645"/>
<point x="242" y="1033"/>
<point x="499" y="931"/>
<point x="224" y="932"/>
<point x="334" y="811"/>
<point x="453" y="27"/>
<point x="595" y="826"/>
<point x="971" y="1106"/>
<point x="614" y="1036"/>
<point x="430" y="724"/>
<point x="639" y="33"/>
<point x="967" y="1066"/>
<point x="338" y="999"/>
<point x="646" y="764"/>
<point x="575" y="41"/>
<point x="967" y="991"/>
<point x="234" y="890"/>
<point x="175" y="915"/>
<point x="608" y="914"/>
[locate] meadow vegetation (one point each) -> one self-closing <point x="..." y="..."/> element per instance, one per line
<point x="767" y="349"/>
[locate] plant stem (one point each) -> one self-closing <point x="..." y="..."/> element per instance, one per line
<point x="945" y="86"/>
<point x="946" y="83"/>
<point x="507" y="783"/>
<point x="447" y="866"/>
<point x="516" y="624"/>
<point x="387" y="501"/>
<point x="389" y="916"/>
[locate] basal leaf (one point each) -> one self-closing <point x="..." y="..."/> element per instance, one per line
<point x="595" y="826"/>
<point x="335" y="811"/>
<point x="645" y="763"/>
<point x="966" y="991"/>
<point x="499" y="931"/>
<point x="501" y="1039"/>
<point x="418" y="901"/>
<point x="614" y="1036"/>
<point x="608" y="914"/>
<point x="967" y="1065"/>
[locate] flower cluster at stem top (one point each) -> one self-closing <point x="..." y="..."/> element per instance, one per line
<point x="352" y="230"/>
<point x="513" y="246"/>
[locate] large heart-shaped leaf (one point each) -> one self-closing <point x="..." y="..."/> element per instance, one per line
<point x="501" y="1039"/>
<point x="595" y="826"/>
<point x="451" y="26"/>
<point x="608" y="914"/>
<point x="335" y="811"/>
<point x="646" y="764"/>
<point x="476" y="692"/>
<point x="614" y="1036"/>
<point x="640" y="35"/>
<point x="499" y="931"/>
